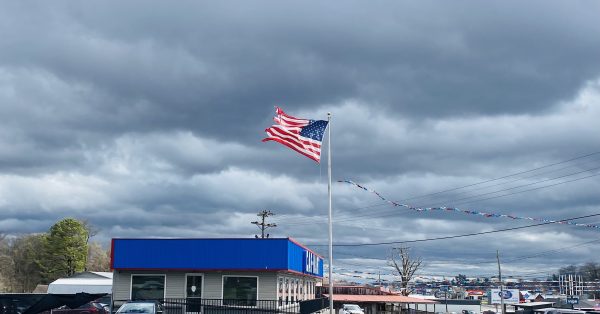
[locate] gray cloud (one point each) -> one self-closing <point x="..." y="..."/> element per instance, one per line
<point x="146" y="119"/>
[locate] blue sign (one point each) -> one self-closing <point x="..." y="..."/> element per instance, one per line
<point x="572" y="300"/>
<point x="507" y="294"/>
<point x="312" y="263"/>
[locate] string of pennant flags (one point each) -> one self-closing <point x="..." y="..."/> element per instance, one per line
<point x="466" y="211"/>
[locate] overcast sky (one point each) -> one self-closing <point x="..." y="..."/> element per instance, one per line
<point x="146" y="119"/>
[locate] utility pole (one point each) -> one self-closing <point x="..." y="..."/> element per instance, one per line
<point x="446" y="300"/>
<point x="262" y="225"/>
<point x="500" y="279"/>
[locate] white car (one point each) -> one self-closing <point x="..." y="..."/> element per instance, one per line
<point x="351" y="309"/>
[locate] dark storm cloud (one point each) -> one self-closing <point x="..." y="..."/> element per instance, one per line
<point x="146" y="118"/>
<point x="194" y="65"/>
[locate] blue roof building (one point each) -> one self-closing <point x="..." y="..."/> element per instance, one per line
<point x="226" y="269"/>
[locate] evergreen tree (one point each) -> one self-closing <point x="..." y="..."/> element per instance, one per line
<point x="66" y="249"/>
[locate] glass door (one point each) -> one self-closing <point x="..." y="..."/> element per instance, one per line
<point x="193" y="293"/>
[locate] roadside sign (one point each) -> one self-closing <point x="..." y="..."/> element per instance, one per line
<point x="511" y="296"/>
<point x="573" y="300"/>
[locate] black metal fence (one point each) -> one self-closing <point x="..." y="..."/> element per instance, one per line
<point x="235" y="306"/>
<point x="311" y="306"/>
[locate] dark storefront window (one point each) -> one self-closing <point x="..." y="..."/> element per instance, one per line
<point x="147" y="287"/>
<point x="242" y="291"/>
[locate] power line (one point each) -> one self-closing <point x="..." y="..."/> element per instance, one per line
<point x="456" y="236"/>
<point x="394" y="211"/>
<point x="503" y="177"/>
<point x="528" y="190"/>
<point x="543" y="253"/>
<point x="522" y="185"/>
<point x="513" y="259"/>
<point x="528" y="177"/>
<point x="513" y="273"/>
<point x="478" y="183"/>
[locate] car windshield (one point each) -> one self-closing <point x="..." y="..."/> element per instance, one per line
<point x="137" y="308"/>
<point x="352" y="307"/>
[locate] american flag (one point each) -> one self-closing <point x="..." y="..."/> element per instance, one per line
<point x="302" y="135"/>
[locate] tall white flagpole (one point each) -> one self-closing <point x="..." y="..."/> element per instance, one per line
<point x="331" y="311"/>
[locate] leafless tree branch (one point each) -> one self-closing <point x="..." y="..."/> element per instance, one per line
<point x="405" y="266"/>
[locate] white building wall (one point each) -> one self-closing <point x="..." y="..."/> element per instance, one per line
<point x="212" y="284"/>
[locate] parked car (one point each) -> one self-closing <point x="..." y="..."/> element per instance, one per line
<point x="552" y="310"/>
<point x="351" y="309"/>
<point x="88" y="308"/>
<point x="145" y="307"/>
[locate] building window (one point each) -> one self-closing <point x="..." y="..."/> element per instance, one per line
<point x="292" y="290"/>
<point x="242" y="291"/>
<point x="147" y="287"/>
<point x="287" y="290"/>
<point x="280" y="290"/>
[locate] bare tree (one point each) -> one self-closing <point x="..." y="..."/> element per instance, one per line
<point x="19" y="258"/>
<point x="91" y="231"/>
<point x="405" y="266"/>
<point x="98" y="258"/>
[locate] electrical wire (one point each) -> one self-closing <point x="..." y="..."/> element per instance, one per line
<point x="520" y="186"/>
<point x="454" y="236"/>
<point x="309" y="220"/>
<point x="393" y="212"/>
<point x="502" y="177"/>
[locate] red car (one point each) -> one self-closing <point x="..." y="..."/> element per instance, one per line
<point x="88" y="308"/>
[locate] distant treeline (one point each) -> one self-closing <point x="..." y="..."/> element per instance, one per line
<point x="31" y="259"/>
<point x="588" y="271"/>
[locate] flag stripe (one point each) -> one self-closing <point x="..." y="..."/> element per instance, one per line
<point x="301" y="135"/>
<point x="317" y="159"/>
<point x="289" y="126"/>
<point x="287" y="120"/>
<point x="272" y="132"/>
<point x="301" y="139"/>
<point x="281" y="120"/>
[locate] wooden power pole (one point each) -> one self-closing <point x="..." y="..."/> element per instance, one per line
<point x="261" y="224"/>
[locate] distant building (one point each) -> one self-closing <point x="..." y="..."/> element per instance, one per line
<point x="88" y="282"/>
<point x="528" y="296"/>
<point x="475" y="294"/>
<point x="353" y="289"/>
<point x="372" y="299"/>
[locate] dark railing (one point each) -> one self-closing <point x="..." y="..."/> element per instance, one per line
<point x="235" y="306"/>
<point x="311" y="306"/>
